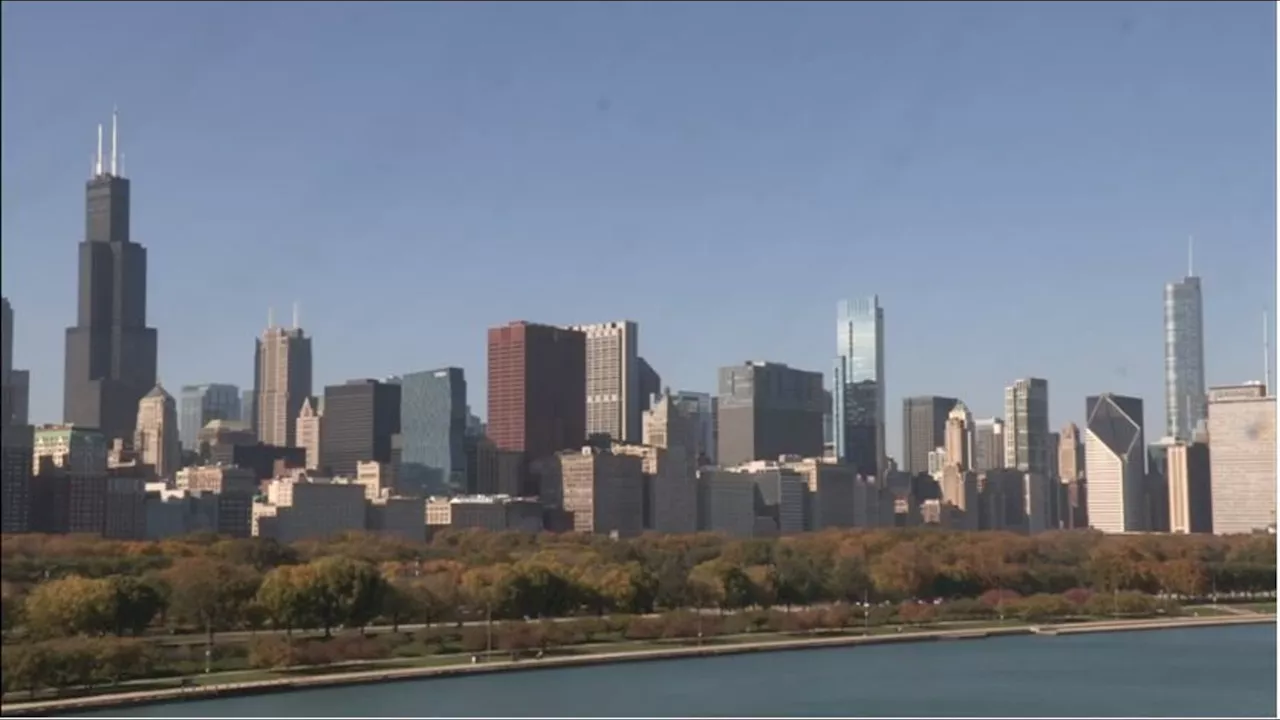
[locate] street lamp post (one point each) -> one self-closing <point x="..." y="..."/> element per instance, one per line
<point x="488" y="611"/>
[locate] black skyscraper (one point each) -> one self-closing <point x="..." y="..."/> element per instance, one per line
<point x="111" y="353"/>
<point x="361" y="418"/>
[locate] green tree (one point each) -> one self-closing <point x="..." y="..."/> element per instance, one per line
<point x="345" y="591"/>
<point x="799" y="580"/>
<point x="848" y="580"/>
<point x="209" y="594"/>
<point x="287" y="596"/>
<point x="137" y="603"/>
<point x="71" y="606"/>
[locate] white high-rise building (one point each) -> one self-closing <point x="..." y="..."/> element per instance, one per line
<point x="1115" y="463"/>
<point x="614" y="401"/>
<point x="1242" y="459"/>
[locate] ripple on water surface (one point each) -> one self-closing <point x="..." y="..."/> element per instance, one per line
<point x="1201" y="672"/>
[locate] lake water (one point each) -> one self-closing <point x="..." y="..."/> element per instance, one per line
<point x="1200" y="672"/>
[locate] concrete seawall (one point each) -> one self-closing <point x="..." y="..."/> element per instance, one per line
<point x="360" y="677"/>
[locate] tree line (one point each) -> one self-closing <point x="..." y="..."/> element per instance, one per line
<point x="61" y="586"/>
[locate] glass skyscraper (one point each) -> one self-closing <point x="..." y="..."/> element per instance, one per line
<point x="858" y="399"/>
<point x="200" y="405"/>
<point x="1184" y="394"/>
<point x="433" y="427"/>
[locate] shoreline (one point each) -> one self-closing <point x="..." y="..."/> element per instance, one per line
<point x="126" y="699"/>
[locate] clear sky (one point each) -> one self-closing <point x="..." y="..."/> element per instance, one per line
<point x="1016" y="181"/>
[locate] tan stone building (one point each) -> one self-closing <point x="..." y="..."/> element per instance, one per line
<point x="613" y="379"/>
<point x="1190" y="494"/>
<point x="156" y="441"/>
<point x="282" y="383"/>
<point x="603" y="490"/>
<point x="308" y="431"/>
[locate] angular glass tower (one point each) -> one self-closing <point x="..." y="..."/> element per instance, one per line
<point x="1184" y="391"/>
<point x="858" y="403"/>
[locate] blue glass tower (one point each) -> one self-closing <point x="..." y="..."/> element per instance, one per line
<point x="858" y="400"/>
<point x="433" y="429"/>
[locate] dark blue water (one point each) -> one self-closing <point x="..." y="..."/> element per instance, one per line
<point x="1200" y="672"/>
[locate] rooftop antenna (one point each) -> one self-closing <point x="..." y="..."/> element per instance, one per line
<point x="1191" y="246"/>
<point x="97" y="163"/>
<point x="295" y="314"/>
<point x="1266" y="353"/>
<point x="271" y="317"/>
<point x="115" y="141"/>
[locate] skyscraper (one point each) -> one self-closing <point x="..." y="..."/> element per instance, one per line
<point x="433" y="429"/>
<point x="361" y="418"/>
<point x="537" y="389"/>
<point x="1184" y="398"/>
<point x="767" y="410"/>
<point x="156" y="438"/>
<point x="650" y="384"/>
<point x="613" y="379"/>
<point x="1027" y="441"/>
<point x="1115" y="463"/>
<point x="858" y="412"/>
<point x="202" y="404"/>
<point x="1242" y="459"/>
<point x="6" y="359"/>
<point x="924" y="422"/>
<point x="988" y="444"/>
<point x="281" y="383"/>
<point x="111" y="353"/>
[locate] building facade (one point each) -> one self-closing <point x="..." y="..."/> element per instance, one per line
<point x="988" y="444"/>
<point x="602" y="490"/>
<point x="156" y="441"/>
<point x="537" y="389"/>
<point x="924" y="424"/>
<point x="309" y="431"/>
<point x="613" y="385"/>
<point x="1189" y="490"/>
<point x="281" y="382"/>
<point x="767" y="410"/>
<point x="705" y="409"/>
<point x="1242" y="459"/>
<point x="110" y="352"/>
<point x="1027" y="441"/>
<point x="1115" y="463"/>
<point x="361" y="419"/>
<point x="1184" y="372"/>
<point x="200" y="405"/>
<point x="858" y="386"/>
<point x="433" y="431"/>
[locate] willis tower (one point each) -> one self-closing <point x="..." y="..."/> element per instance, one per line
<point x="111" y="353"/>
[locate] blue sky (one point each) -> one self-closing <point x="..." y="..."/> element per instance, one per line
<point x="1016" y="182"/>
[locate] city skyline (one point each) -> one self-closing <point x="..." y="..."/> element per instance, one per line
<point x="38" y="211"/>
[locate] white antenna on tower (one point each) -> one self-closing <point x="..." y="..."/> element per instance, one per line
<point x="295" y="314"/>
<point x="115" y="141"/>
<point x="1191" y="246"/>
<point x="97" y="163"/>
<point x="271" y="318"/>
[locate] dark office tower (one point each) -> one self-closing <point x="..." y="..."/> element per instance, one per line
<point x="924" y="429"/>
<point x="281" y="382"/>
<point x="767" y="410"/>
<point x="433" y="429"/>
<point x="360" y="419"/>
<point x="111" y="353"/>
<point x="6" y="360"/>
<point x="650" y="383"/>
<point x="537" y="389"/>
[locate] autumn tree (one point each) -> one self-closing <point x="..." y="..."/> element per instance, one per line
<point x="71" y="606"/>
<point x="286" y="597"/>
